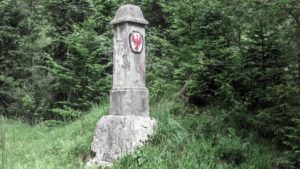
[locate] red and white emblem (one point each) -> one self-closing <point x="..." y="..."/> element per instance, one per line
<point x="136" y="41"/>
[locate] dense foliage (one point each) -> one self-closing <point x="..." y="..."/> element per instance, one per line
<point x="55" y="59"/>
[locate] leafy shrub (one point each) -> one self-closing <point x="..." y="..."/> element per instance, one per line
<point x="231" y="149"/>
<point x="66" y="113"/>
<point x="281" y="124"/>
<point x="292" y="140"/>
<point x="51" y="123"/>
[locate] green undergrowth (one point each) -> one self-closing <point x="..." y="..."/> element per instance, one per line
<point x="47" y="147"/>
<point x="186" y="138"/>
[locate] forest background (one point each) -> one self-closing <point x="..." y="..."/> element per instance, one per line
<point x="239" y="55"/>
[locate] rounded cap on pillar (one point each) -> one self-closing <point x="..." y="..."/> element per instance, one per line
<point x="129" y="13"/>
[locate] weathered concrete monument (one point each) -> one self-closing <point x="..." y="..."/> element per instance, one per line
<point x="128" y="126"/>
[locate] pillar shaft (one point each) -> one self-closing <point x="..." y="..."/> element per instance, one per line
<point x="129" y="95"/>
<point x="129" y="67"/>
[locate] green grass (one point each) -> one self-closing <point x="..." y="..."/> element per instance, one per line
<point x="198" y="140"/>
<point x="41" y="147"/>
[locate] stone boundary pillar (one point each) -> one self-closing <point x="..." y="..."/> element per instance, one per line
<point x="128" y="126"/>
<point x="129" y="89"/>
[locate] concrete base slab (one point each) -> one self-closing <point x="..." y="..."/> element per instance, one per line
<point x="116" y="136"/>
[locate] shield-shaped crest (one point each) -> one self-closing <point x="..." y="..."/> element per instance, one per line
<point x="136" y="41"/>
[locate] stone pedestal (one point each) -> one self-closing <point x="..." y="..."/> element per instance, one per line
<point x="128" y="126"/>
<point x="116" y="136"/>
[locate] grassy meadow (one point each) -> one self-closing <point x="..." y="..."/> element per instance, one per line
<point x="202" y="139"/>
